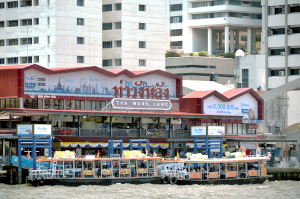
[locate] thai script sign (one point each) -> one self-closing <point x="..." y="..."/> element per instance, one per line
<point x="42" y="129"/>
<point x="24" y="129"/>
<point x="141" y="104"/>
<point x="216" y="131"/>
<point x="198" y="131"/>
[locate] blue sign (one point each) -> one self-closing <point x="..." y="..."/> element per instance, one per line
<point x="198" y="131"/>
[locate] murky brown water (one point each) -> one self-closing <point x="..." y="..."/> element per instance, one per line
<point x="277" y="189"/>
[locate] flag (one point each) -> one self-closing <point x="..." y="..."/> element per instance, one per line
<point x="28" y="155"/>
<point x="178" y="156"/>
<point x="146" y="151"/>
<point x="154" y="154"/>
<point x="98" y="154"/>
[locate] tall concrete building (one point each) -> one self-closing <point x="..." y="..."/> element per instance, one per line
<point x="215" y="26"/>
<point x="281" y="28"/>
<point x="68" y="33"/>
<point x="52" y="33"/>
<point x="133" y="34"/>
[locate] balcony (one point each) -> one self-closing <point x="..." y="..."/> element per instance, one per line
<point x="224" y="8"/>
<point x="276" y="41"/>
<point x="294" y="39"/>
<point x="221" y="21"/>
<point x="293" y="60"/>
<point x="293" y="19"/>
<point x="276" y="61"/>
<point x="276" y="81"/>
<point x="276" y="20"/>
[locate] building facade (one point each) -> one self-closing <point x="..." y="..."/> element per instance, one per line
<point x="215" y="26"/>
<point x="281" y="28"/>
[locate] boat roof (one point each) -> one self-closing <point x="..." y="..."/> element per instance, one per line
<point x="96" y="159"/>
<point x="219" y="160"/>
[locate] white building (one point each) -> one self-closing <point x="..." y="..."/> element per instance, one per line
<point x="54" y="34"/>
<point x="215" y="26"/>
<point x="281" y="28"/>
<point x="68" y="33"/>
<point x="133" y="34"/>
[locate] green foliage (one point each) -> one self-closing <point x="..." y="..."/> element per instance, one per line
<point x="203" y="53"/>
<point x="195" y="54"/>
<point x="244" y="50"/>
<point x="298" y="127"/>
<point x="172" y="54"/>
<point x="191" y="54"/>
<point x="228" y="55"/>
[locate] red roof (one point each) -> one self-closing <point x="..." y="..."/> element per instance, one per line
<point x="70" y="139"/>
<point x="234" y="92"/>
<point x="260" y="92"/>
<point x="198" y="94"/>
<point x="12" y="67"/>
<point x="7" y="132"/>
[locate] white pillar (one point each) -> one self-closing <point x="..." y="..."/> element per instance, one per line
<point x="231" y="40"/>
<point x="226" y="31"/>
<point x="220" y="40"/>
<point x="237" y="39"/>
<point x="249" y="42"/>
<point x="209" y="41"/>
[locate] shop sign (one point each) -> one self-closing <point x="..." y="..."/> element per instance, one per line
<point x="47" y="96"/>
<point x="42" y="129"/>
<point x="115" y="156"/>
<point x="253" y="121"/>
<point x="24" y="130"/>
<point x="141" y="104"/>
<point x="216" y="131"/>
<point x="198" y="131"/>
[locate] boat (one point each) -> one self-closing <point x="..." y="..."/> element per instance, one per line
<point x="71" y="171"/>
<point x="237" y="170"/>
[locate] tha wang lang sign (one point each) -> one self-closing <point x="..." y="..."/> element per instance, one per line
<point x="142" y="104"/>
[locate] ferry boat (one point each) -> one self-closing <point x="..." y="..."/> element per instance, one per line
<point x="154" y="170"/>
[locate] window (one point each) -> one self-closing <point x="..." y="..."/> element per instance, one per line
<point x="25" y="60"/>
<point x="142" y="26"/>
<point x="295" y="51"/>
<point x="142" y="7"/>
<point x="107" y="62"/>
<point x="218" y="2"/>
<point x="12" y="42"/>
<point x="25" y="41"/>
<point x="118" y="25"/>
<point x="2" y="5"/>
<point x="118" y="62"/>
<point x="295" y="29"/>
<point x="2" y="43"/>
<point x="142" y="44"/>
<point x="118" y="44"/>
<point x="295" y="9"/>
<point x="26" y="22"/>
<point x="49" y="59"/>
<point x="2" y="24"/>
<point x="12" y="60"/>
<point x="107" y="26"/>
<point x="12" y="4"/>
<point x="199" y="4"/>
<point x="80" y="2"/>
<point x="36" y="2"/>
<point x="245" y="78"/>
<point x="107" y="44"/>
<point x="295" y="71"/>
<point x="36" y="21"/>
<point x="107" y="8"/>
<point x="80" y="40"/>
<point x="36" y="59"/>
<point x="177" y="19"/>
<point x="256" y="16"/>
<point x="278" y="31"/>
<point x="177" y="32"/>
<point x="234" y="2"/>
<point x="48" y="21"/>
<point x="243" y="38"/>
<point x="277" y="72"/>
<point x="25" y="3"/>
<point x="2" y="61"/>
<point x="256" y="4"/>
<point x="277" y="51"/>
<point x="36" y="40"/>
<point x="80" y="59"/>
<point x="118" y="6"/>
<point x="13" y="23"/>
<point x="176" y="45"/>
<point x="190" y="66"/>
<point x="176" y="7"/>
<point x="235" y="14"/>
<point x="142" y="62"/>
<point x="80" y="21"/>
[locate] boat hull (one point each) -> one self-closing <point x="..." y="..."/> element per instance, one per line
<point x="239" y="181"/>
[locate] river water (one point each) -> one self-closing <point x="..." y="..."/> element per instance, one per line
<point x="274" y="189"/>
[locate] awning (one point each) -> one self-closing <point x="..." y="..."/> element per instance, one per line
<point x="105" y="144"/>
<point x="258" y="140"/>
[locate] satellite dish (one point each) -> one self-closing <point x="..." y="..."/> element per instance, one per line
<point x="239" y="52"/>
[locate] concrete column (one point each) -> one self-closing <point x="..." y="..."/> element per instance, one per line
<point x="221" y="40"/>
<point x="209" y="41"/>
<point x="231" y="40"/>
<point x="226" y="30"/>
<point x="172" y="149"/>
<point x="237" y="39"/>
<point x="249" y="42"/>
<point x="184" y="147"/>
<point x="3" y="146"/>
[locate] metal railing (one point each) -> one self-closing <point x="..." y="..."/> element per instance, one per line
<point x="155" y="133"/>
<point x="176" y="47"/>
<point x="5" y="160"/>
<point x="125" y="132"/>
<point x="181" y="134"/>
<point x="94" y="133"/>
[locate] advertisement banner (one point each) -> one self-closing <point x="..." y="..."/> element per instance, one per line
<point x="198" y="131"/>
<point x="24" y="129"/>
<point x="42" y="129"/>
<point x="216" y="131"/>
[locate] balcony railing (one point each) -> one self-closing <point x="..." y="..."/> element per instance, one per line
<point x="94" y="133"/>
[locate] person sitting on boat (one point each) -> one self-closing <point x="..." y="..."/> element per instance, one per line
<point x="211" y="170"/>
<point x="99" y="173"/>
<point x="193" y="171"/>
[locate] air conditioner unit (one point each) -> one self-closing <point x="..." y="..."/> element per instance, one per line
<point x="290" y="31"/>
<point x="270" y="32"/>
<point x="281" y="73"/>
<point x="283" y="10"/>
<point x="282" y="53"/>
<point x="272" y="10"/>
